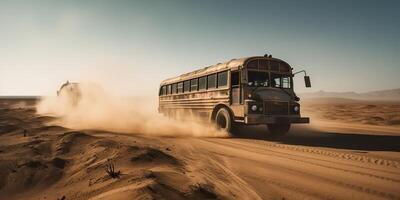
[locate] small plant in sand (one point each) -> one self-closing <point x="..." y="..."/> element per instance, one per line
<point x="12" y="167"/>
<point x="110" y="169"/>
<point x="62" y="198"/>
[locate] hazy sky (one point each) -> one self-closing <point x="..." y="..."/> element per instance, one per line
<point x="132" y="45"/>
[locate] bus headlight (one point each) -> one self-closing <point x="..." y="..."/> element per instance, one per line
<point x="296" y="109"/>
<point x="255" y="108"/>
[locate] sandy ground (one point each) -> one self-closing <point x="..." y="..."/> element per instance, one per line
<point x="338" y="114"/>
<point x="342" y="161"/>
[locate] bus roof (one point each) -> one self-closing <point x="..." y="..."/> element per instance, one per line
<point x="233" y="64"/>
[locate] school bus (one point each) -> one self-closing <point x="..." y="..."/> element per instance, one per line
<point x="251" y="91"/>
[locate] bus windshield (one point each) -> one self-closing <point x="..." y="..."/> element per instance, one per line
<point x="257" y="78"/>
<point x="263" y="79"/>
<point x="281" y="80"/>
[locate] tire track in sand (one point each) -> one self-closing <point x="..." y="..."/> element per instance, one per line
<point x="332" y="154"/>
<point x="362" y="189"/>
<point x="295" y="157"/>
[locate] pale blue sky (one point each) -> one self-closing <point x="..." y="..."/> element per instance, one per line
<point x="132" y="45"/>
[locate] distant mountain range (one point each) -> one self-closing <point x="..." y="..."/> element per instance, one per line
<point x="393" y="94"/>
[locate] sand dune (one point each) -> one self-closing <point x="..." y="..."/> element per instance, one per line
<point x="41" y="161"/>
<point x="373" y="116"/>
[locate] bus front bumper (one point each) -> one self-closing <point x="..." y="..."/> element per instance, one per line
<point x="262" y="119"/>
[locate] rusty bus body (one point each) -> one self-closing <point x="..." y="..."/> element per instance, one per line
<point x="251" y="90"/>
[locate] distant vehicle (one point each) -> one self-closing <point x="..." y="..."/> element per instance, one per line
<point x="250" y="91"/>
<point x="71" y="92"/>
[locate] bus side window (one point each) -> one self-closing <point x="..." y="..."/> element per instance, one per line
<point x="222" y="79"/>
<point x="202" y="83"/>
<point x="163" y="90"/>
<point x="235" y="79"/>
<point x="180" y="87"/>
<point x="168" y="89"/>
<point x="174" y="86"/>
<point x="211" y="81"/>
<point x="186" y="86"/>
<point x="193" y="84"/>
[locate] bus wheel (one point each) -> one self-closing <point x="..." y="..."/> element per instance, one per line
<point x="278" y="129"/>
<point x="223" y="120"/>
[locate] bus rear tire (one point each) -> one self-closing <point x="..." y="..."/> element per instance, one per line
<point x="223" y="120"/>
<point x="278" y="129"/>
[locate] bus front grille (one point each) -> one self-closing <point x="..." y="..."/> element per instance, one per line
<point x="276" y="108"/>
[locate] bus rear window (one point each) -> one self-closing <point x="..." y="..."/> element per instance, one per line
<point x="222" y="79"/>
<point x="202" y="83"/>
<point x="211" y="81"/>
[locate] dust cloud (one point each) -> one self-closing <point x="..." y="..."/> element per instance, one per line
<point x="98" y="109"/>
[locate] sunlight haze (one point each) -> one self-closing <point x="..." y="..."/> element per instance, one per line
<point x="131" y="46"/>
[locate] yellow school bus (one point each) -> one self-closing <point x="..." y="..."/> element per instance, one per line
<point x="250" y="91"/>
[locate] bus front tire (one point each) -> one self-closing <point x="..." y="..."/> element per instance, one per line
<point x="278" y="129"/>
<point x="223" y="120"/>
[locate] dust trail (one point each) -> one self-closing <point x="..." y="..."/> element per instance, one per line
<point x="97" y="109"/>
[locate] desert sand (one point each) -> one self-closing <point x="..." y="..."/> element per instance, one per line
<point x="373" y="116"/>
<point x="344" y="154"/>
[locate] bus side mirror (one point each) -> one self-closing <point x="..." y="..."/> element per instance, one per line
<point x="307" y="81"/>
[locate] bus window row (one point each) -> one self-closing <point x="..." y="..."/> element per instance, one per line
<point x="212" y="81"/>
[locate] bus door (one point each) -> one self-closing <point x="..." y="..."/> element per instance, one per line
<point x="235" y="85"/>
